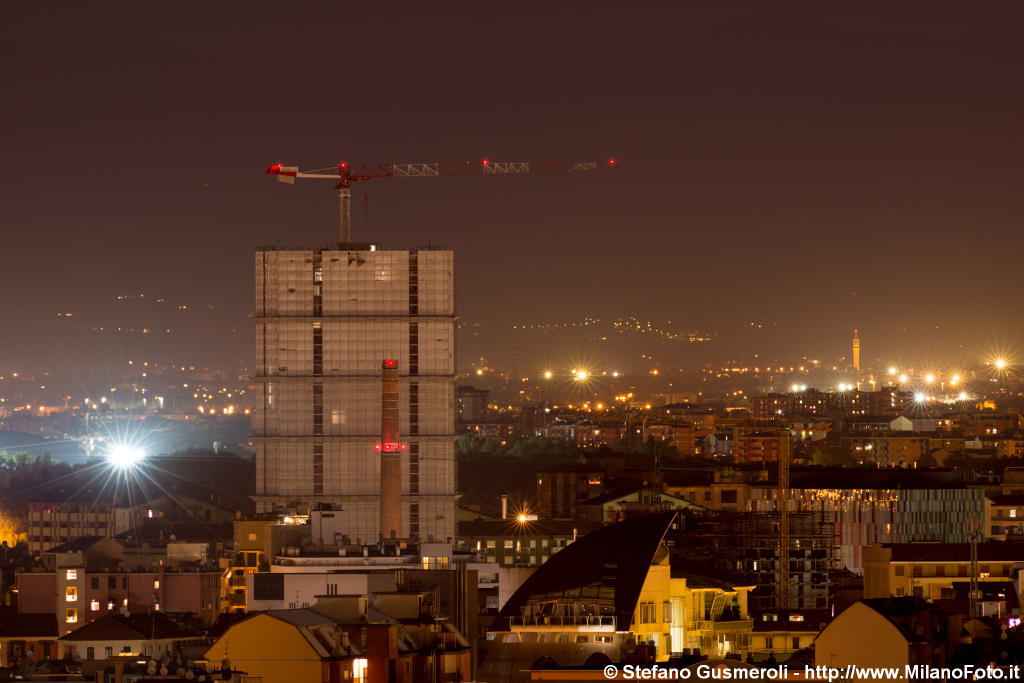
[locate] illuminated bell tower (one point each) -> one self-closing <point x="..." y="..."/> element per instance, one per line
<point x="856" y="351"/>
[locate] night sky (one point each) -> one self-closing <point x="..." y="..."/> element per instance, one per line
<point x="813" y="167"/>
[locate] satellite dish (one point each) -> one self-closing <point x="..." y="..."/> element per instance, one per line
<point x="179" y="672"/>
<point x="190" y="675"/>
<point x="151" y="668"/>
<point x="163" y="670"/>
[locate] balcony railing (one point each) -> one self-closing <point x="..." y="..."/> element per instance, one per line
<point x="604" y="621"/>
<point x="730" y="626"/>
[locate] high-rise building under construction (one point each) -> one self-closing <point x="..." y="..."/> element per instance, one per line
<point x="326" y="320"/>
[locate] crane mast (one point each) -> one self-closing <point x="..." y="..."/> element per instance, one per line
<point x="345" y="175"/>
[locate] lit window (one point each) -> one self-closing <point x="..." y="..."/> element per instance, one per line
<point x="359" y="670"/>
<point x="72" y="575"/>
<point x="156" y="584"/>
<point x="94" y="605"/>
<point x="71" y="616"/>
<point x="796" y="617"/>
<point x="70" y="594"/>
<point x="1013" y="512"/>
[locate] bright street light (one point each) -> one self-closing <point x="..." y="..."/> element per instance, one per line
<point x="125" y="456"/>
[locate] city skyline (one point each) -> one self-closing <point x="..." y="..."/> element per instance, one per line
<point x="683" y="337"/>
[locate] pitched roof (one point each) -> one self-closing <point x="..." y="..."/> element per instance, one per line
<point x="300" y="617"/>
<point x="151" y="626"/>
<point x="612" y="496"/>
<point x="319" y="630"/>
<point x="917" y="619"/>
<point x="225" y="620"/>
<point x="617" y="556"/>
<point x="75" y="544"/>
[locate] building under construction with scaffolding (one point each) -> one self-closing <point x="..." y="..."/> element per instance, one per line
<point x="747" y="544"/>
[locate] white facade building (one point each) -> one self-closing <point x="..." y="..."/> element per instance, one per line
<point x="325" y="321"/>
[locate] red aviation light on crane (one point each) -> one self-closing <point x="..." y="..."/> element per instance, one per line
<point x="391" y="363"/>
<point x="389" y="447"/>
<point x="485" y="162"/>
<point x="274" y="168"/>
<point x="611" y="162"/>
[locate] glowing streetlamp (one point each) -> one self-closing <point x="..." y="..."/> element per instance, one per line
<point x="125" y="456"/>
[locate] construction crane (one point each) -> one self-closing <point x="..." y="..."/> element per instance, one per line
<point x="345" y="175"/>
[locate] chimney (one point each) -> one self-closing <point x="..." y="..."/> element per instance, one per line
<point x="390" y="448"/>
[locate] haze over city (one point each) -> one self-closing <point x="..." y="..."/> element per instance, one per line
<point x="808" y="170"/>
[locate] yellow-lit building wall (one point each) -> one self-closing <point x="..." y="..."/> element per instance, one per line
<point x="269" y="650"/>
<point x="861" y="636"/>
<point x="652" y="620"/>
